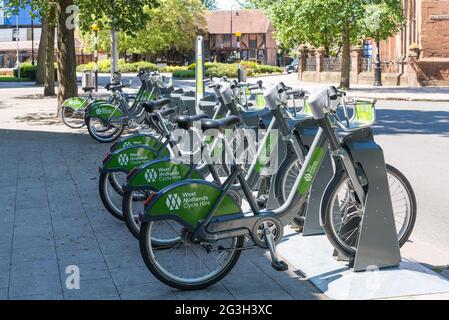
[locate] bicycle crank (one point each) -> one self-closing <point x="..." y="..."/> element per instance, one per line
<point x="267" y="233"/>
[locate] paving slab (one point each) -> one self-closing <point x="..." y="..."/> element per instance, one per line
<point x="312" y="256"/>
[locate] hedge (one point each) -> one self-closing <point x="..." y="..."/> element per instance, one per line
<point x="104" y="66"/>
<point x="212" y="69"/>
<point x="27" y="70"/>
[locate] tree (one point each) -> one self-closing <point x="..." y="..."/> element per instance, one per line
<point x="49" y="65"/>
<point x="42" y="51"/>
<point x="382" y="20"/>
<point x="127" y="15"/>
<point x="326" y="23"/>
<point x="170" y="33"/>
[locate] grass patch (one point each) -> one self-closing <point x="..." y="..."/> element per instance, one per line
<point x="440" y="269"/>
<point x="13" y="79"/>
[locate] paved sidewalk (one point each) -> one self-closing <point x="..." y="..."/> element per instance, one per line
<point x="51" y="217"/>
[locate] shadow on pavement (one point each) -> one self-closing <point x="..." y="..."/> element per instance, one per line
<point x="390" y="122"/>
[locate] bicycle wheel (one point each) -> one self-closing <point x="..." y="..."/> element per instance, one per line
<point x="344" y="212"/>
<point x="188" y="265"/>
<point x="133" y="204"/>
<point x="72" y="118"/>
<point x="284" y="182"/>
<point x="111" y="192"/>
<point x="103" y="133"/>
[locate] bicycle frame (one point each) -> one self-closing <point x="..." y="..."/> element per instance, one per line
<point x="216" y="222"/>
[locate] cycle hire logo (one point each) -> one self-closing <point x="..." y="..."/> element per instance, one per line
<point x="173" y="202"/>
<point x="98" y="111"/>
<point x="123" y="159"/>
<point x="150" y="175"/>
<point x="308" y="177"/>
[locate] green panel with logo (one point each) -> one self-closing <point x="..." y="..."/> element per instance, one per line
<point x="105" y="111"/>
<point x="141" y="140"/>
<point x="311" y="171"/>
<point x="129" y="158"/>
<point x="191" y="201"/>
<point x="160" y="174"/>
<point x="75" y="103"/>
<point x="268" y="149"/>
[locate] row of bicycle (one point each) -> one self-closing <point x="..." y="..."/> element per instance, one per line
<point x="194" y="187"/>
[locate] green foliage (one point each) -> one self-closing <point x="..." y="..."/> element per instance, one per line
<point x="382" y="20"/>
<point x="104" y="66"/>
<point x="212" y="69"/>
<point x="320" y="23"/>
<point x="27" y="70"/>
<point x="13" y="79"/>
<point x="184" y="74"/>
<point x="228" y="70"/>
<point x="173" y="26"/>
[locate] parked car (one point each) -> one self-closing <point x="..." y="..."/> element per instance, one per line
<point x="293" y="67"/>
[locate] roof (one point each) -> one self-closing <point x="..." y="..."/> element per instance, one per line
<point x="244" y="21"/>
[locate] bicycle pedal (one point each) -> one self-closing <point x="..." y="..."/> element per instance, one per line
<point x="280" y="266"/>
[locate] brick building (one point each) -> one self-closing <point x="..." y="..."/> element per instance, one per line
<point x="422" y="45"/>
<point x="256" y="42"/>
<point x="417" y="56"/>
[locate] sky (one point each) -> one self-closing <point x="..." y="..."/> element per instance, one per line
<point x="226" y="4"/>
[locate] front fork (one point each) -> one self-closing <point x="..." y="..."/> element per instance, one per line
<point x="342" y="158"/>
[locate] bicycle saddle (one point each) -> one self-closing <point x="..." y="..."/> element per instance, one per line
<point x="186" y="122"/>
<point x="114" y="86"/>
<point x="88" y="89"/>
<point x="225" y="123"/>
<point x="153" y="106"/>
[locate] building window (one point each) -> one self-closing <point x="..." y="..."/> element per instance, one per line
<point x="253" y="44"/>
<point x="29" y="34"/>
<point x="227" y="37"/>
<point x="15" y="34"/>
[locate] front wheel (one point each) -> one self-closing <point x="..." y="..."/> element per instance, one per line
<point x="72" y="118"/>
<point x="344" y="212"/>
<point x="104" y="133"/>
<point x="188" y="265"/>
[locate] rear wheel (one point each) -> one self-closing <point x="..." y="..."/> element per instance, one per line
<point x="133" y="206"/>
<point x="188" y="265"/>
<point x="344" y="212"/>
<point x="111" y="193"/>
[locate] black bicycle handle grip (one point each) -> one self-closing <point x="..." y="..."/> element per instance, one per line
<point x="253" y="87"/>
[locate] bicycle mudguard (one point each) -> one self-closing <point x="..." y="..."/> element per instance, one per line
<point x="189" y="202"/>
<point x="159" y="174"/>
<point x="104" y="111"/>
<point x="126" y="159"/>
<point x="75" y="103"/>
<point x="140" y="139"/>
